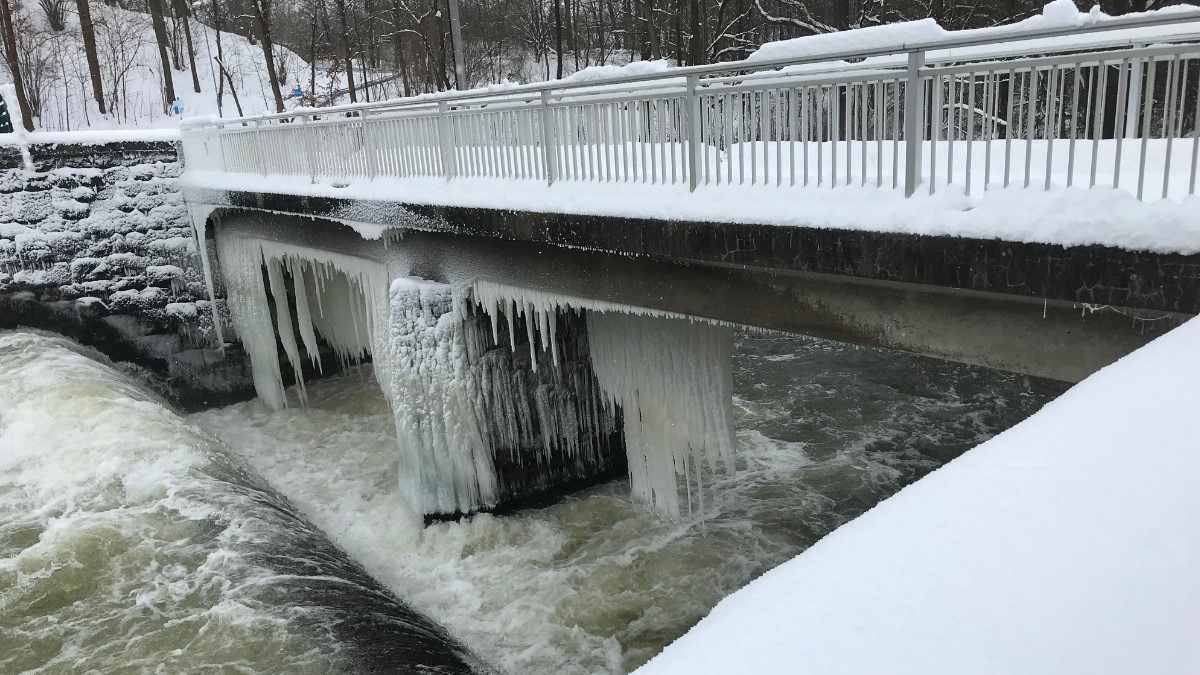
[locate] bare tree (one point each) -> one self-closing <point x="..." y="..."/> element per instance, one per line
<point x="14" y="66"/>
<point x="56" y="14"/>
<point x="262" y="13"/>
<point x="181" y="15"/>
<point x="88" y="31"/>
<point x="160" y="35"/>
<point x="349" y="55"/>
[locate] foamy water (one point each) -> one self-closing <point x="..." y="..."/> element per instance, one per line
<point x="132" y="541"/>
<point x="596" y="584"/>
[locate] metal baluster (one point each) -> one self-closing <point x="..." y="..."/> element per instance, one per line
<point x="880" y="121"/>
<point x="935" y="130"/>
<point x="1030" y="125"/>
<point x="820" y="106"/>
<point x="914" y="106"/>
<point x="1074" y="126"/>
<point x="1051" y="119"/>
<point x="848" y="122"/>
<point x="897" y="111"/>
<point x="835" y="133"/>
<point x="1009" y="126"/>
<point x="970" y="127"/>
<point x="1149" y="108"/>
<point x="1098" y="97"/>
<point x="792" y="121"/>
<point x="753" y="130"/>
<point x="951" y="127"/>
<point x="1195" y="139"/>
<point x="806" y="117"/>
<point x="1169" y="123"/>
<point x="779" y="137"/>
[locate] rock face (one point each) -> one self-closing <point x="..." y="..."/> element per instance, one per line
<point x="96" y="244"/>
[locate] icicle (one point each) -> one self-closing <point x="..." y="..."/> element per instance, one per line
<point x="304" y="311"/>
<point x="199" y="217"/>
<point x="283" y="324"/>
<point x="673" y="381"/>
<point x="530" y="314"/>
<point x="242" y="260"/>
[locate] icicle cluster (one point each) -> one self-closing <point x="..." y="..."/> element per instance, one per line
<point x="673" y="381"/>
<point x="199" y="217"/>
<point x="669" y="374"/>
<point x="445" y="459"/>
<point x="339" y="296"/>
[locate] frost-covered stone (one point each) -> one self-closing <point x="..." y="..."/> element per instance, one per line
<point x="97" y="239"/>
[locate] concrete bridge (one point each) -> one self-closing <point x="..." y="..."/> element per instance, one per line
<point x="522" y="264"/>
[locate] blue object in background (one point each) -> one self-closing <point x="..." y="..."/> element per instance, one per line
<point x="298" y="92"/>
<point x="177" y="108"/>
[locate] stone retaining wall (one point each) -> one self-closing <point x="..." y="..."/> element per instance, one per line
<point x="96" y="244"/>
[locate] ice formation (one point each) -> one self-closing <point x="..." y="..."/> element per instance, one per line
<point x="670" y="376"/>
<point x="477" y="419"/>
<point x="339" y="296"/>
<point x="445" y="462"/>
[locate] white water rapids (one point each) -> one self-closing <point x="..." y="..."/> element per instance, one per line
<point x="131" y="539"/>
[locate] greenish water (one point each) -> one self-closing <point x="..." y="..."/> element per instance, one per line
<point x="596" y="584"/>
<point x="245" y="540"/>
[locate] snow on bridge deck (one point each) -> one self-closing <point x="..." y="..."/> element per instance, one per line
<point x="1066" y="128"/>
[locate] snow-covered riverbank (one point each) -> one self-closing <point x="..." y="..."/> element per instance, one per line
<point x="1067" y="544"/>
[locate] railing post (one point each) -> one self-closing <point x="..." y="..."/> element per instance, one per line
<point x="369" y="148"/>
<point x="258" y="150"/>
<point x="1133" y="104"/>
<point x="446" y="140"/>
<point x="914" y="122"/>
<point x="693" y="146"/>
<point x="310" y="166"/>
<point x="549" y="142"/>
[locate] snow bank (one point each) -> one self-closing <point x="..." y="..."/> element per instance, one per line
<point x="1067" y="544"/>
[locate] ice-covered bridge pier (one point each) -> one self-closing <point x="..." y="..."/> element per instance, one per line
<point x="545" y="274"/>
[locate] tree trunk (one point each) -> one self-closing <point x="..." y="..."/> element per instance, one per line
<point x="14" y="65"/>
<point x="160" y="36"/>
<point x="398" y="38"/>
<point x="341" y="8"/>
<point x="262" y="10"/>
<point x="181" y="14"/>
<point x="558" y="36"/>
<point x="89" y="50"/>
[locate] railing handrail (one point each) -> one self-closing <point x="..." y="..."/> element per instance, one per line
<point x="971" y="38"/>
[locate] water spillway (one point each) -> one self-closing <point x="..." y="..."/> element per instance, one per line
<point x="132" y="540"/>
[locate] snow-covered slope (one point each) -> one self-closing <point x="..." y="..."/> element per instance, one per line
<point x="1068" y="544"/>
<point x="132" y="72"/>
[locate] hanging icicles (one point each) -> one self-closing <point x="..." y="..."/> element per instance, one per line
<point x="669" y="374"/>
<point x="672" y="378"/>
<point x="445" y="460"/>
<point x="340" y="297"/>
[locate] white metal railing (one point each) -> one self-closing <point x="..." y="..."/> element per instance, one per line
<point x="1117" y="104"/>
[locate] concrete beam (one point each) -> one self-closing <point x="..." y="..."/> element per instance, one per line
<point x="1041" y="337"/>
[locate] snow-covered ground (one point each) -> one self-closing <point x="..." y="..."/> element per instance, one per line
<point x="1067" y="544"/>
<point x="132" y="72"/>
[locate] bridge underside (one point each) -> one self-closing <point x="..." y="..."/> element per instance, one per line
<point x="458" y="318"/>
<point x="1037" y="309"/>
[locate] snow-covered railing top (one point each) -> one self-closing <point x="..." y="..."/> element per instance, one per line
<point x="1061" y="99"/>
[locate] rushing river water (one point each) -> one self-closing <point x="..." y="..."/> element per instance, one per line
<point x="132" y="539"/>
